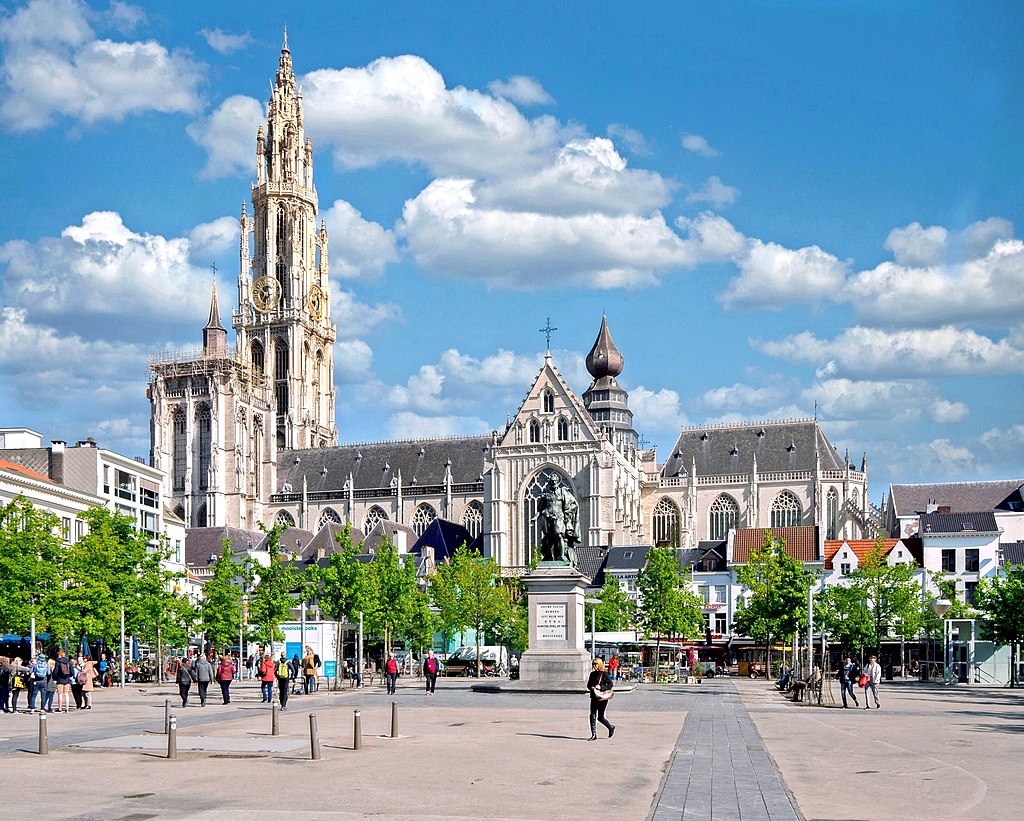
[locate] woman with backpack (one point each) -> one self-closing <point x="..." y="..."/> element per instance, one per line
<point x="284" y="673"/>
<point x="18" y="675"/>
<point x="63" y="675"/>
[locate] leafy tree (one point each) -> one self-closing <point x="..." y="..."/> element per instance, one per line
<point x="220" y="610"/>
<point x="468" y="593"/>
<point x="1002" y="601"/>
<point x="31" y="550"/>
<point x="892" y="594"/>
<point x="271" y="601"/>
<point x="512" y="630"/>
<point x="667" y="607"/>
<point x="776" y="606"/>
<point x="391" y="584"/>
<point x="422" y="621"/>
<point x="344" y="583"/>
<point x="842" y="611"/>
<point x="616" y="610"/>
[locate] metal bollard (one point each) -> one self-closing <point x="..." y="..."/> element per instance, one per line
<point x="275" y="721"/>
<point x="167" y="715"/>
<point x="172" y="738"/>
<point x="44" y="744"/>
<point x="394" y="719"/>
<point x="314" y="738"/>
<point x="357" y="732"/>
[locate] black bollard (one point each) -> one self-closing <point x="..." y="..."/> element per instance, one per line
<point x="275" y="721"/>
<point x="314" y="738"/>
<point x="394" y="719"/>
<point x="167" y="715"/>
<point x="44" y="744"/>
<point x="357" y="732"/>
<point x="172" y="738"/>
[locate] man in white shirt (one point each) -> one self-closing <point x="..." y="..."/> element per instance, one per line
<point x="873" y="670"/>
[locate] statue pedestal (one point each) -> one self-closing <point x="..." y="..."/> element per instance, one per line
<point x="556" y="661"/>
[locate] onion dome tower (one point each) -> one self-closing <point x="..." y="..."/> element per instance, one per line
<point x="607" y="403"/>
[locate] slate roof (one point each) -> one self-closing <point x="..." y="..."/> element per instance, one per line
<point x="13" y="467"/>
<point x="374" y="465"/>
<point x="324" y="540"/>
<point x="36" y="460"/>
<point x="978" y="522"/>
<point x="203" y="542"/>
<point x="801" y="542"/>
<point x="1012" y="552"/>
<point x="445" y="537"/>
<point x="374" y="537"/>
<point x="590" y="562"/>
<point x="960" y="497"/>
<point x="714" y="551"/>
<point x="729" y="449"/>
<point x="688" y="556"/>
<point x="626" y="559"/>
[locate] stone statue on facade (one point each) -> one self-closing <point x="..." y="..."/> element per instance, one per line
<point x="558" y="512"/>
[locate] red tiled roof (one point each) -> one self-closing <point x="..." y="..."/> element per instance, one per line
<point x="16" y="468"/>
<point x="862" y="547"/>
<point x="801" y="542"/>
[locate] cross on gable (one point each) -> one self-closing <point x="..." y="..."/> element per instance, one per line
<point x="547" y="330"/>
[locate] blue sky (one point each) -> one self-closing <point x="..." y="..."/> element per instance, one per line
<point x="779" y="205"/>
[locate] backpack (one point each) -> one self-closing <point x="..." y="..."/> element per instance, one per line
<point x="40" y="670"/>
<point x="63" y="668"/>
<point x="431" y="665"/>
<point x="282" y="669"/>
<point x="82" y="677"/>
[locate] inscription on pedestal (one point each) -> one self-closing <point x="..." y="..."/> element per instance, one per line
<point x="552" y="622"/>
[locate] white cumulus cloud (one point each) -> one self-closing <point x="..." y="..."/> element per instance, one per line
<point x="943" y="411"/>
<point x="54" y="65"/>
<point x="698" y="145"/>
<point x="224" y="42"/>
<point x="228" y="135"/>
<point x="358" y="247"/>
<point x="715" y="192"/>
<point x="656" y="411"/>
<point x="409" y="425"/>
<point x="772" y="276"/>
<point x="521" y="90"/>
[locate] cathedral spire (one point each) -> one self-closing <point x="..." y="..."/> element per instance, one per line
<point x="604" y="358"/>
<point x="215" y="338"/>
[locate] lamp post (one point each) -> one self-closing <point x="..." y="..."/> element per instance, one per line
<point x="939" y="608"/>
<point x="593" y="624"/>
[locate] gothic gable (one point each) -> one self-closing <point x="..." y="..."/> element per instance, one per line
<point x="550" y="413"/>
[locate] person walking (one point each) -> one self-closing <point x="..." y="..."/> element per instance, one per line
<point x="104" y="668"/>
<point x="848" y="674"/>
<point x="308" y="671"/>
<point x="873" y="670"/>
<point x="181" y="671"/>
<point x="266" y="673"/>
<point x="78" y="681"/>
<point x="391" y="673"/>
<point x="601" y="690"/>
<point x="613" y="666"/>
<point x="283" y="674"/>
<point x="63" y="675"/>
<point x="90" y="679"/>
<point x="430" y="671"/>
<point x="248" y="666"/>
<point x="225" y="675"/>
<point x="50" y="690"/>
<point x="203" y="676"/>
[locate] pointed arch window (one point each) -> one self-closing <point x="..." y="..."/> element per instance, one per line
<point x="473" y="518"/>
<point x="549" y="402"/>
<point x="534" y="430"/>
<point x="201" y="517"/>
<point x="204" y="426"/>
<point x="257" y="436"/>
<point x="831" y="514"/>
<point x="329" y="515"/>
<point x="256" y="356"/>
<point x="284" y="518"/>
<point x="785" y="510"/>
<point x="563" y="429"/>
<point x="724" y="514"/>
<point x="281" y="269"/>
<point x="666" y="523"/>
<point x="374" y="517"/>
<point x="281" y="376"/>
<point x="422" y="518"/>
<point x="180" y="446"/>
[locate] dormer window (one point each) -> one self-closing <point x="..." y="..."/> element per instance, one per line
<point x="628" y="554"/>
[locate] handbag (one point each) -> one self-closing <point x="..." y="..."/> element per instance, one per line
<point x="17" y="683"/>
<point x="863" y="680"/>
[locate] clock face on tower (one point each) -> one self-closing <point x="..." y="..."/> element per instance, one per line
<point x="266" y="294"/>
<point x="316" y="301"/>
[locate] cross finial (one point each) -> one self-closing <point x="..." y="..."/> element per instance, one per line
<point x="214" y="268"/>
<point x="547" y="330"/>
<point x="643" y="441"/>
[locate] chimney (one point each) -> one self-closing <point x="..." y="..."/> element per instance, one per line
<point x="57" y="461"/>
<point x="401" y="544"/>
<point x="943" y="509"/>
<point x="931" y="507"/>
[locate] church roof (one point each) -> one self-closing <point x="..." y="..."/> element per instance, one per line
<point x="959" y="497"/>
<point x="213" y="323"/>
<point x="421" y="462"/>
<point x="779" y="447"/>
<point x="604" y="358"/>
<point x="801" y="542"/>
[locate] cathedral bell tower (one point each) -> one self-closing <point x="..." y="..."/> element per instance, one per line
<point x="283" y="323"/>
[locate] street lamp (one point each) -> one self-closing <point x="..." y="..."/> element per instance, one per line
<point x="939" y="608"/>
<point x="593" y="624"/>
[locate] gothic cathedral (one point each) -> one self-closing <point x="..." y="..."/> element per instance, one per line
<point x="220" y="415"/>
